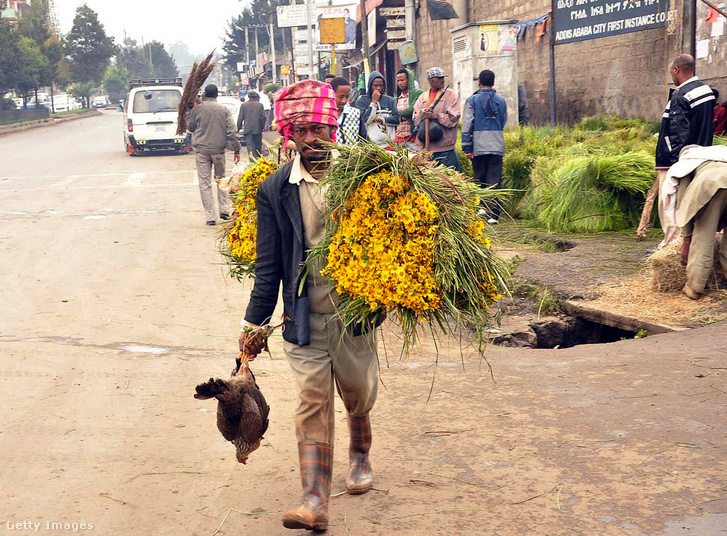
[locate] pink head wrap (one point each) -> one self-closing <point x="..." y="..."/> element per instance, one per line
<point x="308" y="101"/>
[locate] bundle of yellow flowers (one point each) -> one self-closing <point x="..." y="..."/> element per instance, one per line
<point x="238" y="246"/>
<point x="403" y="238"/>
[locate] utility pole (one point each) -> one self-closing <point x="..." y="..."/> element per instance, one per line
<point x="309" y="11"/>
<point x="272" y="45"/>
<point x="410" y="21"/>
<point x="247" y="51"/>
<point x="365" y="39"/>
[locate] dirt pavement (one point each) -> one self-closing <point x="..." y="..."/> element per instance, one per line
<point x="115" y="306"/>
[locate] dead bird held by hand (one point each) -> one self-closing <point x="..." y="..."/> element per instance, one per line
<point x="242" y="413"/>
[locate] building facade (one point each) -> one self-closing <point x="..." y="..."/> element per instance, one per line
<point x="626" y="74"/>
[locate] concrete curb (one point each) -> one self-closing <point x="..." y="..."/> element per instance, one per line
<point x="30" y="125"/>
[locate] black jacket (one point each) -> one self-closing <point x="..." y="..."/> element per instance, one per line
<point x="281" y="255"/>
<point x="251" y="117"/>
<point x="687" y="120"/>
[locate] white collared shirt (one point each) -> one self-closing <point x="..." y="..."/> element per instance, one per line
<point x="299" y="173"/>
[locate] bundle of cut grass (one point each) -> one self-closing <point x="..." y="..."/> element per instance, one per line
<point x="668" y="274"/>
<point x="403" y="239"/>
<point x="595" y="193"/>
<point x="199" y="73"/>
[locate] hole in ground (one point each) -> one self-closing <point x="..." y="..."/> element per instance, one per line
<point x="572" y="331"/>
<point x="555" y="332"/>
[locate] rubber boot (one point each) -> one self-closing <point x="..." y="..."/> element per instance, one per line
<point x="316" y="466"/>
<point x="360" y="477"/>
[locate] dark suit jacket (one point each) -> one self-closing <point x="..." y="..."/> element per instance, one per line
<point x="281" y="255"/>
<point x="251" y="117"/>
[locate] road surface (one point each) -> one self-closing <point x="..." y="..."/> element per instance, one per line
<point x="115" y="305"/>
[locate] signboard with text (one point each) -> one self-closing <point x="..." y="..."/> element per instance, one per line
<point x="291" y="16"/>
<point x="578" y="20"/>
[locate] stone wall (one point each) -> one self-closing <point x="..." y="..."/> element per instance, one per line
<point x="712" y="39"/>
<point x="625" y="74"/>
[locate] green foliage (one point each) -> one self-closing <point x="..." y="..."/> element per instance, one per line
<point x="236" y="47"/>
<point x="10" y="64"/>
<point x="534" y="154"/>
<point x="271" y="88"/>
<point x="115" y="82"/>
<point x="83" y="90"/>
<point x="597" y="192"/>
<point x="88" y="47"/>
<point x="162" y="64"/>
<point x="33" y="65"/>
<point x="467" y="169"/>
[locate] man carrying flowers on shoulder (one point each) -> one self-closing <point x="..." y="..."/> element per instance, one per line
<point x="319" y="348"/>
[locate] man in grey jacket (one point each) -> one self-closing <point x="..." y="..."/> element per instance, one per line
<point x="213" y="130"/>
<point x="251" y="121"/>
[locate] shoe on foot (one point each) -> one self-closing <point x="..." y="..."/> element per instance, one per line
<point x="224" y="217"/>
<point x="211" y="222"/>
<point x="492" y="221"/>
<point x="481" y="213"/>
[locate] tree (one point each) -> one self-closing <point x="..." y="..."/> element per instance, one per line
<point x="88" y="47"/>
<point x="257" y="14"/>
<point x="132" y="59"/>
<point x="115" y="81"/>
<point x="83" y="90"/>
<point x="9" y="57"/>
<point x="33" y="64"/>
<point x="162" y="64"/>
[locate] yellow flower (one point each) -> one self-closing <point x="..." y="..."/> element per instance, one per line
<point x="383" y="247"/>
<point x="241" y="239"/>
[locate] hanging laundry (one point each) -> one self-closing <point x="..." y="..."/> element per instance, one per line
<point x="540" y="29"/>
<point x="521" y="31"/>
<point x="712" y="16"/>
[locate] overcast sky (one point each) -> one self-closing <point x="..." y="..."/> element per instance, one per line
<point x="201" y="25"/>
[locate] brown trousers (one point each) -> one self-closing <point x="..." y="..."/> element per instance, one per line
<point x="701" y="251"/>
<point x="351" y="362"/>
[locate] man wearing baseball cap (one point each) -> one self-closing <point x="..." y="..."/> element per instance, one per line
<point x="437" y="113"/>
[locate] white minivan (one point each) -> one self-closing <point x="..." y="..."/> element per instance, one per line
<point x="150" y="116"/>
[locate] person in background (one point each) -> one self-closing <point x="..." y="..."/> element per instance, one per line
<point x="251" y="120"/>
<point x="213" y="130"/>
<point x="688" y="119"/>
<point x="694" y="195"/>
<point x="720" y="115"/>
<point x="483" y="140"/>
<point x="378" y="111"/>
<point x="406" y="95"/>
<point x="445" y="116"/>
<point x="351" y="128"/>
<point x="327" y="79"/>
<point x="523" y="110"/>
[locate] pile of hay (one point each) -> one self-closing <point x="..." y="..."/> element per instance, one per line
<point x="669" y="275"/>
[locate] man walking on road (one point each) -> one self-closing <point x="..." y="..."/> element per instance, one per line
<point x="320" y="349"/>
<point x="483" y="141"/>
<point x="213" y="130"/>
<point x="442" y="109"/>
<point x="687" y="120"/>
<point x="251" y="120"/>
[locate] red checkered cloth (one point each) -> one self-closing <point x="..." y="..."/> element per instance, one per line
<point x="308" y="101"/>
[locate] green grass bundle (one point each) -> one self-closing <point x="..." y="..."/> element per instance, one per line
<point x="595" y="193"/>
<point x="403" y="239"/>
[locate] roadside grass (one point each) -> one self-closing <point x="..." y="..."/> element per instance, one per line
<point x="67" y="113"/>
